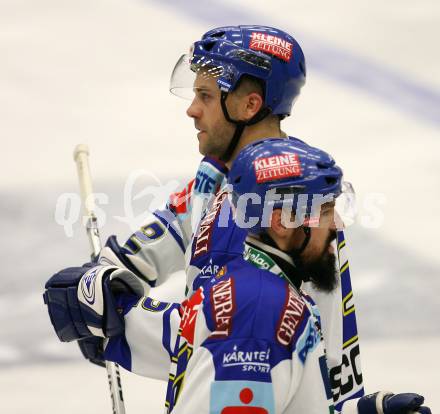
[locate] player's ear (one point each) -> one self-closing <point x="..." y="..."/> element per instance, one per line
<point x="282" y="230"/>
<point x="276" y="223"/>
<point x="277" y="231"/>
<point x="253" y="104"/>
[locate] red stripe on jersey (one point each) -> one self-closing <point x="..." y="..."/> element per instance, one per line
<point x="179" y="202"/>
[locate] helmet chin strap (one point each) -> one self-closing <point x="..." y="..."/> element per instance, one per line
<point x="239" y="125"/>
<point x="295" y="254"/>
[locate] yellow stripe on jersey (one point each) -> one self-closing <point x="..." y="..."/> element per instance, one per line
<point x="350" y="341"/>
<point x="344" y="267"/>
<point x="347" y="310"/>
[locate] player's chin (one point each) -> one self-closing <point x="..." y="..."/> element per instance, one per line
<point x="201" y="145"/>
<point x="209" y="150"/>
<point x="202" y="149"/>
<point x="322" y="272"/>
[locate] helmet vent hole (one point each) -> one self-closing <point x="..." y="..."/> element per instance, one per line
<point x="330" y="180"/>
<point x="218" y="34"/>
<point x="237" y="180"/>
<point x="209" y="45"/>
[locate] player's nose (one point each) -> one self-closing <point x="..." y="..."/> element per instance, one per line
<point x="194" y="111"/>
<point x="338" y="222"/>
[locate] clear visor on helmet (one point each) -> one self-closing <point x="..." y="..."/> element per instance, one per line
<point x="346" y="204"/>
<point x="339" y="211"/>
<point x="324" y="211"/>
<point x="187" y="69"/>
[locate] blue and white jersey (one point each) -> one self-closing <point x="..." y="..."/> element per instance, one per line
<point x="247" y="341"/>
<point x="218" y="240"/>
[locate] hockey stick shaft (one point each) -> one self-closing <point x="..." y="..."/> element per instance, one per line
<point x="81" y="157"/>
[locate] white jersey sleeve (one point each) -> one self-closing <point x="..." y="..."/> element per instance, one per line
<point x="151" y="328"/>
<point x="157" y="250"/>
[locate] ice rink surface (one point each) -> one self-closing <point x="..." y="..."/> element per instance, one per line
<point x="97" y="72"/>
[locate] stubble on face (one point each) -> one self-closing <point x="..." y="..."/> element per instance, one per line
<point x="215" y="131"/>
<point x="214" y="137"/>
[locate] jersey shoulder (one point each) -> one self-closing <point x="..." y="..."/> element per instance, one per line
<point x="243" y="301"/>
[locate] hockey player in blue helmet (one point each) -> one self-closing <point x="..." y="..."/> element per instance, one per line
<point x="284" y="194"/>
<point x="242" y="81"/>
<point x="277" y="177"/>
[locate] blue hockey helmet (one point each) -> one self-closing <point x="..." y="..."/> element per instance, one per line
<point x="227" y="53"/>
<point x="276" y="172"/>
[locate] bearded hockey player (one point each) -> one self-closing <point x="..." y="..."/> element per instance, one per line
<point x="248" y="339"/>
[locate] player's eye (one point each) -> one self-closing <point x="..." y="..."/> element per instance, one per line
<point x="203" y="95"/>
<point x="327" y="213"/>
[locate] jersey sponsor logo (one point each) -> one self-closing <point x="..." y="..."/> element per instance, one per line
<point x="254" y="361"/>
<point x="259" y="259"/>
<point x="241" y="397"/>
<point x="292" y="315"/>
<point x="180" y="202"/>
<point x="204" y="183"/>
<point x="277" y="167"/>
<point x="202" y="241"/>
<point x="346" y="378"/>
<point x="308" y="343"/>
<point x="209" y="270"/>
<point x="223" y="307"/>
<point x="189" y="310"/>
<point x="221" y="272"/>
<point x="88" y="286"/>
<point x="209" y="177"/>
<point x="273" y="45"/>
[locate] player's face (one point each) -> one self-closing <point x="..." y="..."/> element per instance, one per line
<point x="215" y="132"/>
<point x="319" y="256"/>
<point x="322" y="234"/>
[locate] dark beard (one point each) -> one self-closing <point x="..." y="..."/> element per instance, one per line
<point x="322" y="271"/>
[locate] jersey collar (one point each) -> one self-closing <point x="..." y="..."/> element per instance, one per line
<point x="269" y="258"/>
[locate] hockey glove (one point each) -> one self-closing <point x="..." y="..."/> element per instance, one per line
<point x="82" y="305"/>
<point x="92" y="349"/>
<point x="388" y="403"/>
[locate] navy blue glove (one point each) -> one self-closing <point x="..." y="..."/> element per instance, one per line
<point x="92" y="349"/>
<point x="82" y="304"/>
<point x="388" y="403"/>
